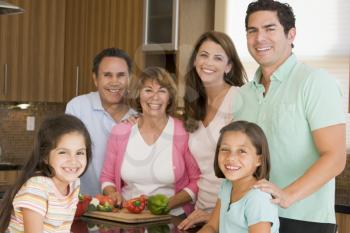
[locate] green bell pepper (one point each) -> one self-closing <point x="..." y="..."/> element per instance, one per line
<point x="158" y="204"/>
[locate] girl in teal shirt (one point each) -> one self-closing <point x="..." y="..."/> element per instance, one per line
<point x="242" y="157"/>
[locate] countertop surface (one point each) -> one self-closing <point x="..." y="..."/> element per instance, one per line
<point x="87" y="225"/>
<point x="5" y="166"/>
<point x="342" y="208"/>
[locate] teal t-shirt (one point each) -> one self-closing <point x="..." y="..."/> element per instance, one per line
<point x="252" y="208"/>
<point x="300" y="100"/>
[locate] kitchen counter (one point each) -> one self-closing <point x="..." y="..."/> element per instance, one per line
<point x="5" y="166"/>
<point x="342" y="208"/>
<point x="87" y="225"/>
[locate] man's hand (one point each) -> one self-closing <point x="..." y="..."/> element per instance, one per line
<point x="280" y="197"/>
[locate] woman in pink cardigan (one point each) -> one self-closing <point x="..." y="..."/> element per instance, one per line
<point x="151" y="156"/>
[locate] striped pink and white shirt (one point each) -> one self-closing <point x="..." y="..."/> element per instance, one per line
<point x="40" y="194"/>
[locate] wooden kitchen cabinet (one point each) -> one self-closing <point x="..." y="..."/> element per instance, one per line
<point x="74" y="49"/>
<point x="8" y="177"/>
<point x="343" y="221"/>
<point x="32" y="52"/>
<point x="93" y="25"/>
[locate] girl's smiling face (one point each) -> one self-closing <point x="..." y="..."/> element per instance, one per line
<point x="237" y="157"/>
<point x="68" y="160"/>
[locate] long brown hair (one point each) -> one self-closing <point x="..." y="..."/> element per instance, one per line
<point x="47" y="138"/>
<point x="195" y="96"/>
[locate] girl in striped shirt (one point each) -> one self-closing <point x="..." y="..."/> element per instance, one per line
<point x="45" y="196"/>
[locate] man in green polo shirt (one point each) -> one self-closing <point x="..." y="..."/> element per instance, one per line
<point x="299" y="109"/>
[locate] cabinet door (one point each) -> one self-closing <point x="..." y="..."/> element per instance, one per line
<point x="8" y="177"/>
<point x="126" y="29"/>
<point x="87" y="34"/>
<point x="34" y="46"/>
<point x="12" y="28"/>
<point x="74" y="51"/>
<point x="96" y="37"/>
<point x="91" y="26"/>
<point x="3" y="57"/>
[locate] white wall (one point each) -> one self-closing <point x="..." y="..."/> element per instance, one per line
<point x="323" y="36"/>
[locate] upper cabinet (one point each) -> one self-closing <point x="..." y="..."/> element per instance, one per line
<point x="93" y="25"/>
<point x="160" y="25"/>
<point x="31" y="52"/>
<point x="46" y="53"/>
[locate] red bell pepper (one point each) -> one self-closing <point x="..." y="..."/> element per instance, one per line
<point x="82" y="205"/>
<point x="136" y="205"/>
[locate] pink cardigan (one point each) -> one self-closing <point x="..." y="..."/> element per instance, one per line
<point x="185" y="167"/>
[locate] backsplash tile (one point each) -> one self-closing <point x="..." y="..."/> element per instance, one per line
<point x="15" y="141"/>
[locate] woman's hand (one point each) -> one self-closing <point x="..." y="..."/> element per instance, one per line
<point x="115" y="196"/>
<point x="196" y="216"/>
<point x="280" y="196"/>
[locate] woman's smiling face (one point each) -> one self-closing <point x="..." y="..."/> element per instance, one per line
<point x="211" y="63"/>
<point x="154" y="99"/>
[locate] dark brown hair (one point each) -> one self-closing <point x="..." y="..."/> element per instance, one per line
<point x="111" y="52"/>
<point x="162" y="77"/>
<point x="259" y="141"/>
<point x="195" y="96"/>
<point x="47" y="138"/>
<point x="284" y="12"/>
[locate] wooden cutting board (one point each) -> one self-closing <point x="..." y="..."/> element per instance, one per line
<point x="125" y="216"/>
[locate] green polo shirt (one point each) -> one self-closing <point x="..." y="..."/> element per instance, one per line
<point x="300" y="100"/>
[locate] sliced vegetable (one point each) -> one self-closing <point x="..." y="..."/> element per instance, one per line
<point x="103" y="199"/>
<point x="106" y="207"/>
<point x="93" y="204"/>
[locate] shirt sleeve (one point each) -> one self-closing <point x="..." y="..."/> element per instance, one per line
<point x="33" y="195"/>
<point x="72" y="108"/>
<point x="193" y="173"/>
<point x="258" y="208"/>
<point x="222" y="192"/>
<point x="323" y="100"/>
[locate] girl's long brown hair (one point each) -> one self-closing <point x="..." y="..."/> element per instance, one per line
<point x="47" y="138"/>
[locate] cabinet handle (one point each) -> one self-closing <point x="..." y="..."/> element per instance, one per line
<point x="77" y="81"/>
<point x="5" y="80"/>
